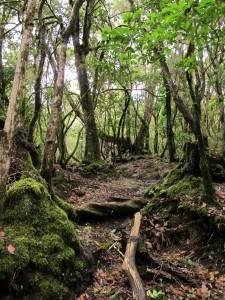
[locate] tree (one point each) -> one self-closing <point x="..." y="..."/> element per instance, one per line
<point x="81" y="50"/>
<point x="54" y="120"/>
<point x="12" y="116"/>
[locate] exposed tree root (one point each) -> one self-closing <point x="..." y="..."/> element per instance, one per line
<point x="129" y="265"/>
<point x="99" y="211"/>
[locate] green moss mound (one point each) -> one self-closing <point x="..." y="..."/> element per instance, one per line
<point x="95" y="166"/>
<point x="175" y="186"/>
<point x="40" y="254"/>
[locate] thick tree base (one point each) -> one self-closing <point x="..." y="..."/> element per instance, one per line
<point x="40" y="253"/>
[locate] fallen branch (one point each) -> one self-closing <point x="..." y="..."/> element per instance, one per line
<point x="129" y="265"/>
<point x="173" y="270"/>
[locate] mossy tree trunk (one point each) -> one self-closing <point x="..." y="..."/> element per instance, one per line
<point x="12" y="116"/>
<point x="194" y="121"/>
<point x="196" y="91"/>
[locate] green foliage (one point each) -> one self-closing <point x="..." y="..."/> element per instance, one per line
<point x="154" y="294"/>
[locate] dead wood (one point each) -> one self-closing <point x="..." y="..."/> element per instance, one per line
<point x="129" y="265"/>
<point x="168" y="268"/>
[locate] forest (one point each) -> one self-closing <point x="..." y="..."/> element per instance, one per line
<point x="112" y="149"/>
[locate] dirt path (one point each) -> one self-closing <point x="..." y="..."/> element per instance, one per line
<point x="106" y="240"/>
<point x="127" y="181"/>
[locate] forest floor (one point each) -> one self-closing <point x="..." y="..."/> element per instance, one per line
<point x="178" y="267"/>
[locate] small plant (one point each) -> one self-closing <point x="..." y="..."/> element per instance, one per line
<point x="188" y="261"/>
<point x="154" y="294"/>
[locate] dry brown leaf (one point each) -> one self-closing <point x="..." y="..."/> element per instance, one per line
<point x="2" y="233"/>
<point x="11" y="249"/>
<point x="203" y="292"/>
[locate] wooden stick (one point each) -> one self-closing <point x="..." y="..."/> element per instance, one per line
<point x="129" y="265"/>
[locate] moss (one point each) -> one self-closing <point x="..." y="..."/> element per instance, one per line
<point x="176" y="185"/>
<point x="95" y="166"/>
<point x="105" y="246"/>
<point x="49" y="287"/>
<point x="24" y="187"/>
<point x="47" y="259"/>
<point x="189" y="185"/>
<point x="67" y="207"/>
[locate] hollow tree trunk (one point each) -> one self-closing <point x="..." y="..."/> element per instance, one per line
<point x="92" y="147"/>
<point x="7" y="135"/>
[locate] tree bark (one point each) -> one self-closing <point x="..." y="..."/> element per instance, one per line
<point x="12" y="116"/>
<point x="92" y="148"/>
<point x="37" y="85"/>
<point x="193" y="121"/>
<point x="169" y="125"/>
<point x="3" y="96"/>
<point x="156" y="137"/>
<point x="53" y="123"/>
<point x="81" y="50"/>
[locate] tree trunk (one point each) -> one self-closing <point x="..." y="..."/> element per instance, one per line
<point x="219" y="92"/>
<point x="169" y="126"/>
<point x="54" y="120"/>
<point x="92" y="147"/>
<point x="194" y="122"/>
<point x="139" y="144"/>
<point x="81" y="50"/>
<point x="204" y="166"/>
<point x="53" y="123"/>
<point x="12" y="116"/>
<point x="156" y="137"/>
<point x="3" y="97"/>
<point x="37" y="85"/>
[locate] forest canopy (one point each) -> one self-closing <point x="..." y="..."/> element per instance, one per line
<point x="92" y="84"/>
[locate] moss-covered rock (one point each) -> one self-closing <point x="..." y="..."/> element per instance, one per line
<point x="40" y="254"/>
<point x="96" y="166"/>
